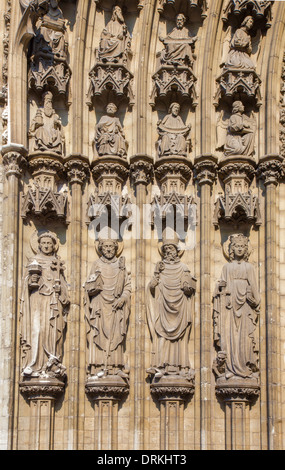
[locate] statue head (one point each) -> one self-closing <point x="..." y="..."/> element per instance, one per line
<point x="48" y="243"/>
<point x="174" y="109"/>
<point x="170" y="251"/>
<point x="237" y="107"/>
<point x="108" y="248"/>
<point x="117" y="14"/>
<point x="180" y="20"/>
<point x="248" y="22"/>
<point x="238" y="247"/>
<point x="111" y="109"/>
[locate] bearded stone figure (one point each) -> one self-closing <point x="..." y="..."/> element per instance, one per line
<point x="107" y="304"/>
<point x="43" y="311"/>
<point x="236" y="307"/>
<point x="178" y="45"/>
<point x="241" y="47"/>
<point x="115" y="39"/>
<point x="240" y="132"/>
<point x="46" y="133"/>
<point x="169" y="314"/>
<point x="173" y="134"/>
<point x="109" y="134"/>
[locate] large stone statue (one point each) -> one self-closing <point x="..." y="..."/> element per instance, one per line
<point x="107" y="303"/>
<point x="240" y="132"/>
<point x="44" y="306"/>
<point x="169" y="314"/>
<point x="241" y="47"/>
<point x="115" y="39"/>
<point x="178" y="45"/>
<point x="236" y="306"/>
<point x="174" y="134"/>
<point x="109" y="136"/>
<point x="46" y="132"/>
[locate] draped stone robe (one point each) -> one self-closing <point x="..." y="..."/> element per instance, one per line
<point x="114" y="42"/>
<point x="178" y="52"/>
<point x="240" y="50"/>
<point x="109" y="138"/>
<point x="107" y="328"/>
<point x="235" y="317"/>
<point x="240" y="136"/>
<point x="43" y="316"/>
<point x="169" y="315"/>
<point x="173" y="134"/>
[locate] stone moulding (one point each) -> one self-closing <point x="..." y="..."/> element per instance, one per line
<point x="237" y="392"/>
<point x="45" y="202"/>
<point x="38" y="389"/>
<point x="109" y="387"/>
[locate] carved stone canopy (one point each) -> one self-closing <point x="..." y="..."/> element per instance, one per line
<point x="189" y="7"/>
<point x="259" y="9"/>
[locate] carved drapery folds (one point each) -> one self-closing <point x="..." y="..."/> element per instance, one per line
<point x="236" y="307"/>
<point x="43" y="311"/>
<point x="111" y="74"/>
<point x="107" y="309"/>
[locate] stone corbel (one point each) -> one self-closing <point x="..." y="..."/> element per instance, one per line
<point x="14" y="160"/>
<point x="141" y="169"/>
<point x="205" y="169"/>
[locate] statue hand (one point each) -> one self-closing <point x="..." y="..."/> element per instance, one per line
<point x="187" y="289"/>
<point x="153" y="283"/>
<point x="118" y="304"/>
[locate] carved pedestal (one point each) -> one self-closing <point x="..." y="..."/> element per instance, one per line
<point x="238" y="204"/>
<point x="237" y="396"/>
<point x="172" y="394"/>
<point x="42" y="395"/>
<point x="106" y="394"/>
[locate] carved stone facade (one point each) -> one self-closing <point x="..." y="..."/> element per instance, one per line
<point x="142" y="225"/>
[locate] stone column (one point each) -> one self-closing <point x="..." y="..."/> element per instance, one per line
<point x="270" y="170"/>
<point x="205" y="168"/>
<point x="77" y="168"/>
<point x="14" y="162"/>
<point x="141" y="167"/>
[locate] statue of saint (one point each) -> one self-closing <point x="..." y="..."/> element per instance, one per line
<point x="241" y="47"/>
<point x="240" y="132"/>
<point x="169" y="314"/>
<point x="236" y="306"/>
<point x="178" y="45"/>
<point x="115" y="39"/>
<point x="43" y="311"/>
<point x="107" y="303"/>
<point x="46" y="132"/>
<point x="174" y="135"/>
<point x="109" y="137"/>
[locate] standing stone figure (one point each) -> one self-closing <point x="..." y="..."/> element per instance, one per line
<point x="236" y="306"/>
<point x="240" y="132"/>
<point x="169" y="314"/>
<point x="174" y="134"/>
<point x="178" y="45"/>
<point x="241" y="47"/>
<point x="43" y="311"/>
<point x="107" y="303"/>
<point x="46" y="133"/>
<point x="115" y="39"/>
<point x="109" y="134"/>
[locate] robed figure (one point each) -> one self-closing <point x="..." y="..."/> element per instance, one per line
<point x="241" y="47"/>
<point x="43" y="311"/>
<point x="236" y="307"/>
<point x="109" y="134"/>
<point x="107" y="307"/>
<point x="240" y="132"/>
<point x="169" y="300"/>
<point x="115" y="39"/>
<point x="178" y="45"/>
<point x="173" y="133"/>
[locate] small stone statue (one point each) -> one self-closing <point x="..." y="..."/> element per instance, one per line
<point x="241" y="47"/>
<point x="109" y="137"/>
<point x="240" y="132"/>
<point x="46" y="133"/>
<point x="236" y="306"/>
<point x="107" y="303"/>
<point x="44" y="307"/>
<point x="178" y="45"/>
<point x="115" y="39"/>
<point x="174" y="134"/>
<point x="169" y="314"/>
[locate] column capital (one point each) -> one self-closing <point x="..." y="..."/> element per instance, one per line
<point x="77" y="168"/>
<point x="205" y="169"/>
<point x="270" y="169"/>
<point x="141" y="168"/>
<point x="14" y="159"/>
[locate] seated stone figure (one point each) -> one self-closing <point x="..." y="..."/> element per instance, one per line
<point x="241" y="47"/>
<point x="240" y="132"/>
<point x="178" y="45"/>
<point x="110" y="137"/>
<point x="173" y="133"/>
<point x="115" y="39"/>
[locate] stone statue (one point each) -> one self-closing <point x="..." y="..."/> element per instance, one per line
<point x="178" y="45"/>
<point x="43" y="311"/>
<point x="169" y="314"/>
<point x="240" y="132"/>
<point x="107" y="303"/>
<point x="241" y="47"/>
<point x="115" y="39"/>
<point x="236" y="306"/>
<point x="109" y="134"/>
<point x="173" y="133"/>
<point x="46" y="132"/>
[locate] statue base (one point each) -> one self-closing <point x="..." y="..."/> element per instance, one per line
<point x="237" y="388"/>
<point x="111" y="387"/>
<point x="35" y="388"/>
<point x="172" y="387"/>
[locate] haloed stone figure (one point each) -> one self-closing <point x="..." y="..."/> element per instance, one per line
<point x="169" y="314"/>
<point x="115" y="39"/>
<point x="109" y="134"/>
<point x="236" y="306"/>
<point x="107" y="303"/>
<point x="173" y="133"/>
<point x="44" y="306"/>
